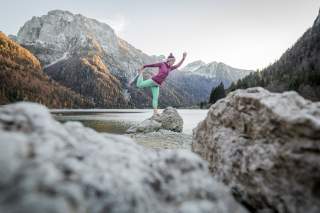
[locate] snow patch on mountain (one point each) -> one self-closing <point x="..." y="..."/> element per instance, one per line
<point x="191" y="67"/>
<point x="64" y="57"/>
<point x="216" y="70"/>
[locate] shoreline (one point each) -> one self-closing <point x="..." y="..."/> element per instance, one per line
<point x="163" y="139"/>
<point x="118" y="123"/>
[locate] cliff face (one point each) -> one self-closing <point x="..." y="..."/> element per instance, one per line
<point x="22" y="78"/>
<point x="61" y="33"/>
<point x="265" y="146"/>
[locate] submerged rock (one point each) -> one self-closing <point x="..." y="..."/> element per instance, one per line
<point x="163" y="139"/>
<point x="148" y="125"/>
<point x="266" y="146"/>
<point x="46" y="166"/>
<point x="169" y="119"/>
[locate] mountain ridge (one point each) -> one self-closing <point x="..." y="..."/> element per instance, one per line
<point x="297" y="69"/>
<point x="219" y="70"/>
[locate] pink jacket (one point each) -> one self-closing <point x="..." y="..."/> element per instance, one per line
<point x="164" y="70"/>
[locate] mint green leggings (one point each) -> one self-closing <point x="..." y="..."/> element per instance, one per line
<point x="154" y="89"/>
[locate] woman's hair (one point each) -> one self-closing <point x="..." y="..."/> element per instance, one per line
<point x="170" y="56"/>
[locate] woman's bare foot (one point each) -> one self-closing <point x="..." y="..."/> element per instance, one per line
<point x="155" y="112"/>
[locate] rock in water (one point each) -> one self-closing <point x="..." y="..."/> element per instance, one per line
<point x="266" y="146"/>
<point x="46" y="166"/>
<point x="169" y="119"/>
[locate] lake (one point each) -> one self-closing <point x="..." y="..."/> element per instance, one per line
<point x="117" y="121"/>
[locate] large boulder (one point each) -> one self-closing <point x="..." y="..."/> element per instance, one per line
<point x="266" y="147"/>
<point x="46" y="166"/>
<point x="169" y="119"/>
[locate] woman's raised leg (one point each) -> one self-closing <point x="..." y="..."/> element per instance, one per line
<point x="154" y="90"/>
<point x="144" y="83"/>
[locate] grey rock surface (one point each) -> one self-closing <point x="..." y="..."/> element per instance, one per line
<point x="266" y="147"/>
<point x="169" y="119"/>
<point x="47" y="166"/>
<point x="145" y="126"/>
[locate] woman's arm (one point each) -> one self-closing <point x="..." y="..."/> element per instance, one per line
<point x="180" y="63"/>
<point x="152" y="65"/>
<point x="149" y="65"/>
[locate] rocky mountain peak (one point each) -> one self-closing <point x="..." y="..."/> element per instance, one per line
<point x="216" y="70"/>
<point x="193" y="66"/>
<point x="60" y="12"/>
<point x="198" y="62"/>
<point x="61" y="34"/>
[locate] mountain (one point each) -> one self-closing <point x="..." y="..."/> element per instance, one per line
<point x="22" y="78"/>
<point x="193" y="66"/>
<point x="216" y="70"/>
<point x="61" y="34"/>
<point x="88" y="57"/>
<point x="297" y="69"/>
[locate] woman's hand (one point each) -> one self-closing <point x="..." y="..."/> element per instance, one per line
<point x="184" y="54"/>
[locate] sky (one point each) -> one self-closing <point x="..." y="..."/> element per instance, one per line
<point x="248" y="34"/>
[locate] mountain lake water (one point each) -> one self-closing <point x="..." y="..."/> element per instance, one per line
<point x="117" y="121"/>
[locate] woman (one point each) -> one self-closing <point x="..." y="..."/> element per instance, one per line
<point x="164" y="69"/>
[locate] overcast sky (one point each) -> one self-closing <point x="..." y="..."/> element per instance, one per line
<point x="242" y="33"/>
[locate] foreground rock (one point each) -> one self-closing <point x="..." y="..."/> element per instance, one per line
<point x="169" y="119"/>
<point x="46" y="166"/>
<point x="266" y="146"/>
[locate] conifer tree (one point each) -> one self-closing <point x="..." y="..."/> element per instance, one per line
<point x="217" y="93"/>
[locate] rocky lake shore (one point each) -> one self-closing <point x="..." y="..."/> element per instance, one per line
<point x="164" y="130"/>
<point x="255" y="151"/>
